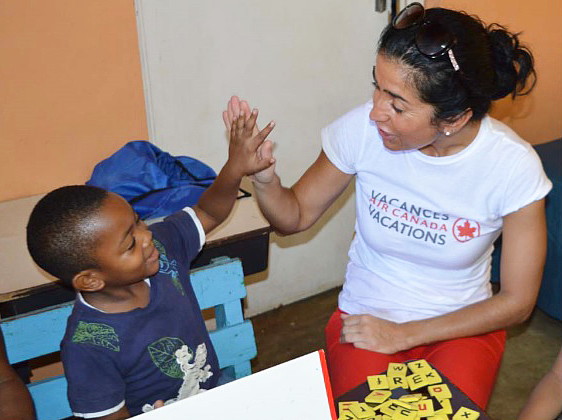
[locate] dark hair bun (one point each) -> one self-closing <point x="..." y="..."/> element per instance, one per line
<point x="514" y="63"/>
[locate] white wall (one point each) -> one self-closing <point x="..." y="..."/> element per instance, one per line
<point x="302" y="63"/>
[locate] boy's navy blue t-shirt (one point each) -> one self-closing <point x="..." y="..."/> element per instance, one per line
<point x="130" y="358"/>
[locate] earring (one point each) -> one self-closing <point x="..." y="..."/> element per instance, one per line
<point x="448" y="133"/>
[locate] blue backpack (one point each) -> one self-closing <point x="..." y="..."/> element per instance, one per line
<point x="154" y="182"/>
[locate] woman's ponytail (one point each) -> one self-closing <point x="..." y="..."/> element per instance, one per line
<point x="514" y="63"/>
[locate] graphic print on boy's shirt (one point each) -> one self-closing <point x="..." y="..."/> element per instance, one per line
<point x="170" y="355"/>
<point x="168" y="267"/>
<point x="186" y="364"/>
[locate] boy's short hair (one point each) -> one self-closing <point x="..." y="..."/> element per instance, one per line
<point x="59" y="232"/>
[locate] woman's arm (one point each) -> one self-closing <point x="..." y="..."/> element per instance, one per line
<point x="291" y="210"/>
<point x="523" y="256"/>
<point x="545" y="402"/>
<point x="15" y="401"/>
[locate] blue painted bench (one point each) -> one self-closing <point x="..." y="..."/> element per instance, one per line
<point x="219" y="285"/>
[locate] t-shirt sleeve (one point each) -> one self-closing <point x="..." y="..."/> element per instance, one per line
<point x="95" y="386"/>
<point x="181" y="233"/>
<point x="526" y="184"/>
<point x="198" y="225"/>
<point x="341" y="140"/>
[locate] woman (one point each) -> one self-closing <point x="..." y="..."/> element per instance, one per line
<point x="437" y="181"/>
<point x="545" y="401"/>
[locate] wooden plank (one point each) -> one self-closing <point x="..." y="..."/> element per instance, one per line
<point x="36" y="333"/>
<point x="214" y="285"/>
<point x="49" y="398"/>
<point x="234" y="344"/>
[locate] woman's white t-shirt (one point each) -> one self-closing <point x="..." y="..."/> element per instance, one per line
<point x="425" y="225"/>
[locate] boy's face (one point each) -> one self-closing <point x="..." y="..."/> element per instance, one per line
<point x="124" y="250"/>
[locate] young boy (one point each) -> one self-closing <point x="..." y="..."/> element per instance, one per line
<point x="136" y="333"/>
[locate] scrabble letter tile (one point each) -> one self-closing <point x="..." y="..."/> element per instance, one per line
<point x="396" y="369"/>
<point x="419" y="366"/>
<point x="378" y="396"/>
<point x="440" y="391"/>
<point x="377" y="382"/>
<point x="464" y="413"/>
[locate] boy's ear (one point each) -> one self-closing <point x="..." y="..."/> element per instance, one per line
<point x="88" y="281"/>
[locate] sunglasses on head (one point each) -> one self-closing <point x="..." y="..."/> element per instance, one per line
<point x="432" y="39"/>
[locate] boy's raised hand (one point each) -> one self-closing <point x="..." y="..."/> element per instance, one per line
<point x="235" y="108"/>
<point x="247" y="144"/>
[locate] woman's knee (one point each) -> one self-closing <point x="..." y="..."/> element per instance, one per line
<point x="470" y="363"/>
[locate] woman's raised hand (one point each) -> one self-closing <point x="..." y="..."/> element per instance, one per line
<point x="234" y="108"/>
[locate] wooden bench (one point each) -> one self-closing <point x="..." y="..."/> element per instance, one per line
<point x="218" y="285"/>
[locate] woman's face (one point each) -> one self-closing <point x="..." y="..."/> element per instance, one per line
<point x="403" y="120"/>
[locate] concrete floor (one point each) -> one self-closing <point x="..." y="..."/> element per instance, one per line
<point x="297" y="329"/>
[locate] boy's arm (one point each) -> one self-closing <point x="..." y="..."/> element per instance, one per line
<point x="545" y="402"/>
<point x="15" y="401"/>
<point x="217" y="201"/>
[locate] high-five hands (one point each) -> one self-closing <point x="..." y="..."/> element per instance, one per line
<point x="245" y="143"/>
<point x="239" y="111"/>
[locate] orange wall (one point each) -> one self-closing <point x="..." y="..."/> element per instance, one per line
<point x="537" y="117"/>
<point x="70" y="87"/>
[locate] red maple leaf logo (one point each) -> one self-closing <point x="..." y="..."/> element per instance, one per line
<point x="466" y="230"/>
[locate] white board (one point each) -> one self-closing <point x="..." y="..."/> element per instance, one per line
<point x="298" y="389"/>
